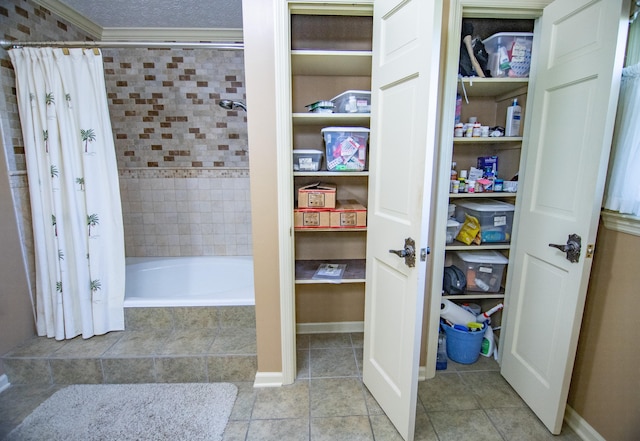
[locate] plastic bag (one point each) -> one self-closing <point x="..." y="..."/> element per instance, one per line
<point x="469" y="231"/>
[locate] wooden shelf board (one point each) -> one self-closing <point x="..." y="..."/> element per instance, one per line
<point x="354" y="273"/>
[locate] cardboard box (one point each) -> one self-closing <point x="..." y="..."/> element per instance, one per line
<point x="317" y="195"/>
<point x="309" y="218"/>
<point x="349" y="214"/>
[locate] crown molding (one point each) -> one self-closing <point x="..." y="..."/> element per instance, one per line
<point x="97" y="32"/>
<point x="72" y="16"/>
<point x="227" y="35"/>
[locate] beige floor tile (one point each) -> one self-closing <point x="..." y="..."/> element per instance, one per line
<point x="279" y="430"/>
<point x="328" y="341"/>
<point x="464" y="425"/>
<point x="339" y="362"/>
<point x="336" y="397"/>
<point x="289" y="401"/>
<point x="447" y="391"/>
<point x="344" y="428"/>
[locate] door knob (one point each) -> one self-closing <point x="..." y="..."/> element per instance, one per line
<point x="572" y="247"/>
<point x="409" y="252"/>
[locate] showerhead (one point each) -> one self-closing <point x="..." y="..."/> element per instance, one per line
<point x="230" y="104"/>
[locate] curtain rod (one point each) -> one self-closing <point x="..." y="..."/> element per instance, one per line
<point x="6" y="44"/>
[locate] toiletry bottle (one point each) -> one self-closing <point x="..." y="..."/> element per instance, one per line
<point x="352" y="105"/>
<point x="512" y="124"/>
<point x="454" y="172"/>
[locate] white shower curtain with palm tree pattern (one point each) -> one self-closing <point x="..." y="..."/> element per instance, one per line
<point x="74" y="191"/>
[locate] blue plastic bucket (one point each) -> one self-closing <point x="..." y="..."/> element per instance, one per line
<point x="463" y="346"/>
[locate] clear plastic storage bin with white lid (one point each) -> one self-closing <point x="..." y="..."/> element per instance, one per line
<point x="495" y="217"/>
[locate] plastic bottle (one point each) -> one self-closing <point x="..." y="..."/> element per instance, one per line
<point x="352" y="105"/>
<point x="503" y="59"/>
<point x="485" y="315"/>
<point x="454" y="172"/>
<point x="441" y="359"/>
<point x="512" y="124"/>
<point x="488" y="343"/>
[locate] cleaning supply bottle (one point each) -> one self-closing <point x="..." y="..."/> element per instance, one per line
<point x="485" y="315"/>
<point x="488" y="343"/>
<point x="512" y="124"/>
<point x="441" y="360"/>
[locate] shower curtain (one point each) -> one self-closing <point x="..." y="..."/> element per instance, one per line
<point x="74" y="191"/>
<point x="622" y="192"/>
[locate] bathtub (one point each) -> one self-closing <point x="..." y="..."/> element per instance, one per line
<point x="189" y="281"/>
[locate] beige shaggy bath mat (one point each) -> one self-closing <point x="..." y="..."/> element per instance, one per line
<point x="131" y="412"/>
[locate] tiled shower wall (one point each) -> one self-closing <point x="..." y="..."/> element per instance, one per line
<point x="183" y="160"/>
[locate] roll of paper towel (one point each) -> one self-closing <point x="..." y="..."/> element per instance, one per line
<point x="455" y="314"/>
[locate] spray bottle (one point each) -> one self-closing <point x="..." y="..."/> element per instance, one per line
<point x="481" y="318"/>
<point x="488" y="343"/>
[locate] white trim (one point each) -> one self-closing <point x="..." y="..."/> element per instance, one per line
<point x="4" y="383"/>
<point x="329" y="327"/>
<point x="422" y="373"/>
<point x="284" y="165"/>
<point x="172" y="34"/>
<point x="624" y="223"/>
<point x="72" y="16"/>
<point x="583" y="429"/>
<point x="268" y="379"/>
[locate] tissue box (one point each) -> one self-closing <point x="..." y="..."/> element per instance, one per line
<point x="317" y="195"/>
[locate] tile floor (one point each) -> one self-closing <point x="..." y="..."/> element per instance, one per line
<point x="328" y="401"/>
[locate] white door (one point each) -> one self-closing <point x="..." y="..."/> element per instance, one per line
<point x="571" y="118"/>
<point x="403" y="126"/>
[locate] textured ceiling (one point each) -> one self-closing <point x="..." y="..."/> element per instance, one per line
<point x="160" y="13"/>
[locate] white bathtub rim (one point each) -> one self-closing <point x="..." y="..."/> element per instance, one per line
<point x="243" y="296"/>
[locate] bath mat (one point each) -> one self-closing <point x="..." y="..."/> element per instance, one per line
<point x="194" y="411"/>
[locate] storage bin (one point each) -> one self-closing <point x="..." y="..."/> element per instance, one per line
<point x="483" y="269"/>
<point x="346" y="148"/>
<point x="463" y="346"/>
<point x="452" y="229"/>
<point x="352" y="101"/>
<point x="517" y="47"/>
<point x="495" y="217"/>
<point x="307" y="160"/>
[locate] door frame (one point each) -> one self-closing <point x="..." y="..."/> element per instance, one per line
<point x="285" y="205"/>
<point x="499" y="9"/>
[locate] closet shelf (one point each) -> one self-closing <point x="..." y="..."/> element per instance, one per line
<point x="488" y="194"/>
<point x="459" y="246"/>
<point x="330" y="119"/>
<point x="323" y="174"/>
<point x="474" y="296"/>
<point x="331" y="63"/>
<point x="354" y="272"/>
<point x="501" y="88"/>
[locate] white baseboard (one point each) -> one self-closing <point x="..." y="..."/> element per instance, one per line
<point x="333" y="327"/>
<point x="580" y="426"/>
<point x="4" y="382"/>
<point x="422" y="373"/>
<point x="268" y="379"/>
